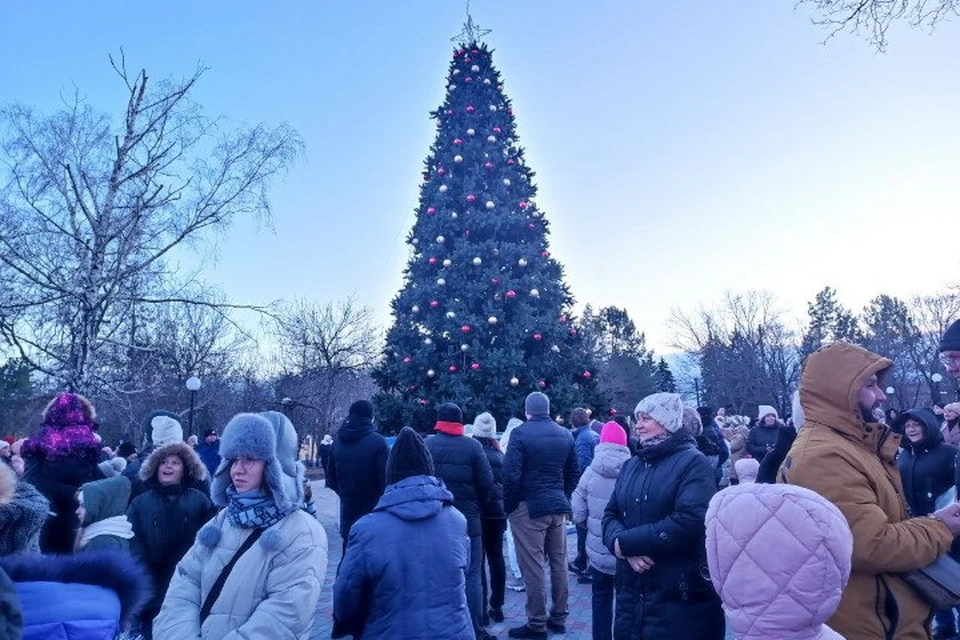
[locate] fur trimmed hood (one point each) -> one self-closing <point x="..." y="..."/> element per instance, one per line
<point x="113" y="570"/>
<point x="193" y="468"/>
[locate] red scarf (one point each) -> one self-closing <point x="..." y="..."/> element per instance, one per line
<point x="452" y="428"/>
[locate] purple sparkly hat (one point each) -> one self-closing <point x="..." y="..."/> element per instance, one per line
<point x="67" y="431"/>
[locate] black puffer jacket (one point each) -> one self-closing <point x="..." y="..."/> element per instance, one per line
<point x="58" y="481"/>
<point x="357" y="470"/>
<point x="166" y="519"/>
<point x="540" y="468"/>
<point x="657" y="510"/>
<point x="462" y="465"/>
<point x="494" y="510"/>
<point x="927" y="467"/>
<point x="761" y="436"/>
<point x="770" y="465"/>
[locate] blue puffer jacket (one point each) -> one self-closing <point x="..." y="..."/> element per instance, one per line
<point x="404" y="574"/>
<point x="585" y="440"/>
<point x="88" y="596"/>
<point x="540" y="468"/>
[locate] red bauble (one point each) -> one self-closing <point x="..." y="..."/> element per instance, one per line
<point x="431" y="211"/>
<point x="509" y="160"/>
<point x="531" y="226"/>
<point x="587" y="375"/>
<point x="545" y="254"/>
<point x="441" y="171"/>
<point x="434" y="304"/>
<point x="542" y="384"/>
<point x="471" y="197"/>
<point x="523" y="205"/>
<point x="453" y="368"/>
<point x="488" y="164"/>
<point x="432" y="261"/>
<point x="510" y="111"/>
<point x="406" y="360"/>
<point x="496" y="129"/>
<point x="511" y="294"/>
<point x="475" y="366"/>
<point x="465" y="328"/>
<point x="457" y="141"/>
<point x="470" y="109"/>
<point x="538" y="337"/>
<point x="423" y="402"/>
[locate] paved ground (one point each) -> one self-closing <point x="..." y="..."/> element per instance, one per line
<point x="578" y="624"/>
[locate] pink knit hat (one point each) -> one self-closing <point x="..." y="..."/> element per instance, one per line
<point x="612" y="432"/>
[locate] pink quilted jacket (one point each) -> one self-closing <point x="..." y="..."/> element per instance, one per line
<point x="779" y="557"/>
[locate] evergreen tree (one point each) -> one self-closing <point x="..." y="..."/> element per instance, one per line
<point x="483" y="316"/>
<point x="665" y="380"/>
<point x="829" y="321"/>
<point x="627" y="368"/>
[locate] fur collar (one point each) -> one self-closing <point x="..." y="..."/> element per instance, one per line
<point x="114" y="570"/>
<point x="193" y="468"/>
<point x="8" y="483"/>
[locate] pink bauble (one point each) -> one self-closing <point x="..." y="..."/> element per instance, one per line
<point x="509" y="160"/>
<point x="449" y="112"/>
<point x="471" y="197"/>
<point x="587" y="375"/>
<point x="441" y="171"/>
<point x="452" y="368"/>
<point x="470" y="109"/>
<point x="510" y="111"/>
<point x="496" y="129"/>
<point x="531" y="226"/>
<point x="573" y="332"/>
<point x="538" y="337"/>
<point x="423" y="402"/>
<point x="542" y="384"/>
<point x="475" y="366"/>
<point x="434" y="304"/>
<point x="431" y="211"/>
<point x="511" y="294"/>
<point x="612" y="412"/>
<point x="563" y="319"/>
<point x="488" y="164"/>
<point x="523" y="205"/>
<point x="465" y="328"/>
<point x="468" y="79"/>
<point x="432" y="261"/>
<point x="406" y="360"/>
<point x="545" y="254"/>
<point x="494" y="280"/>
<point x="457" y="141"/>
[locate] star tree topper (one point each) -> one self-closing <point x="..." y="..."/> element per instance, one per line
<point x="471" y="33"/>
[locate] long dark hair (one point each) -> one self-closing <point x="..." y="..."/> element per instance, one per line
<point x="489" y="442"/>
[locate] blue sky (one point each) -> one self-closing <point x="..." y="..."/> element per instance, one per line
<point x="681" y="149"/>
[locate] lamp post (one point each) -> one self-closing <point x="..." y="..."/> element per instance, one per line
<point x="193" y="385"/>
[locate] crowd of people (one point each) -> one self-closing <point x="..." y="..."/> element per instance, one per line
<point x="690" y="523"/>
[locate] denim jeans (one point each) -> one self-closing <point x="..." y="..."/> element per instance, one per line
<point x="602" y="604"/>
<point x="474" y="587"/>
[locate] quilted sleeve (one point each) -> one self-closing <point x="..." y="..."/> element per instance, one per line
<point x="879" y="546"/>
<point x="685" y="526"/>
<point x="579" y="498"/>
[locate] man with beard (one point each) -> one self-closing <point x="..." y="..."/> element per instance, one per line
<point x="849" y="458"/>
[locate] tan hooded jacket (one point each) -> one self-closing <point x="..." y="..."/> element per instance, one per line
<point x="852" y="464"/>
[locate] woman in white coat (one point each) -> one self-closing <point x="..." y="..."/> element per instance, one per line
<point x="256" y="569"/>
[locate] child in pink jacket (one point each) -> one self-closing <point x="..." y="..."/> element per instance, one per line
<point x="779" y="556"/>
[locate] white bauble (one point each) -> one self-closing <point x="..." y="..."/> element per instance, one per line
<point x="450" y="315"/>
<point x="443" y="188"/>
<point x="555" y="349"/>
<point x="492" y="107"/>
<point x="415" y="241"/>
<point x="458" y="158"/>
<point x="514" y="382"/>
<point x="447" y="262"/>
<point x="441" y="282"/>
<point x="456" y="71"/>
<point x="464" y="347"/>
<point x="427" y="341"/>
<point x="492" y="320"/>
<point x="454" y="215"/>
<point x="506" y="182"/>
<point x="471" y="132"/>
<point x="522" y="262"/>
<point x="491" y="138"/>
<point x="490" y="204"/>
<point x="477" y="261"/>
<point x="534" y="293"/>
<point x="486" y="81"/>
<point x="430" y="373"/>
<point x="441" y="239"/>
<point x="474" y="68"/>
<point x="415" y="309"/>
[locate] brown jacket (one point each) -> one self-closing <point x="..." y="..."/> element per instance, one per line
<point x="852" y="464"/>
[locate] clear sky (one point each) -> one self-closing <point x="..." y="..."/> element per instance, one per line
<point x="681" y="148"/>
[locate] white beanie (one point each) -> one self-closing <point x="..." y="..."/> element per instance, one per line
<point x="485" y="426"/>
<point x="165" y="430"/>
<point x="766" y="410"/>
<point x="747" y="470"/>
<point x="665" y="408"/>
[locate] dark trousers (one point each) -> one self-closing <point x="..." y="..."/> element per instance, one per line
<point x="581" y="559"/>
<point x="945" y="620"/>
<point x="602" y="604"/>
<point x="492" y="536"/>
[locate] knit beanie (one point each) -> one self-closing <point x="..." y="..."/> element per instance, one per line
<point x="665" y="408"/>
<point x="165" y="428"/>
<point x="951" y="338"/>
<point x="449" y="412"/>
<point x="408" y="457"/>
<point x="692" y="422"/>
<point x="485" y="426"/>
<point x="67" y="431"/>
<point x="613" y="432"/>
<point x="537" y="404"/>
<point x="766" y="410"/>
<point x="362" y="409"/>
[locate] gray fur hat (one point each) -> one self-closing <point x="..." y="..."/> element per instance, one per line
<point x="288" y="448"/>
<point x="252" y="436"/>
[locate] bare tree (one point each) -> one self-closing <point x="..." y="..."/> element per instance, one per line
<point x="326" y="350"/>
<point x="91" y="215"/>
<point x="872" y="19"/>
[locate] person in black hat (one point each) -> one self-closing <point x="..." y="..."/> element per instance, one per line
<point x="463" y="466"/>
<point x="414" y="542"/>
<point x="357" y="467"/>
<point x="950" y="349"/>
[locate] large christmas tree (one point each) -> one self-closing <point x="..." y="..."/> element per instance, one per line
<point x="484" y="316"/>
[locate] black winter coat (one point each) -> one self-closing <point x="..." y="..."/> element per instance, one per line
<point x="357" y="470"/>
<point x="165" y="523"/>
<point x="494" y="510"/>
<point x="58" y="481"/>
<point x="462" y="465"/>
<point x="657" y="509"/>
<point x="770" y="465"/>
<point x="540" y="468"/>
<point x="927" y="467"/>
<point x="761" y="436"/>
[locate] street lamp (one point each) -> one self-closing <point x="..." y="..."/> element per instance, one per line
<point x="193" y="385"/>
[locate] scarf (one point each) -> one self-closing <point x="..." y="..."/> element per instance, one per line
<point x="117" y="526"/>
<point x="252" y="509"/>
<point x="452" y="428"/>
<point x="654" y="441"/>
